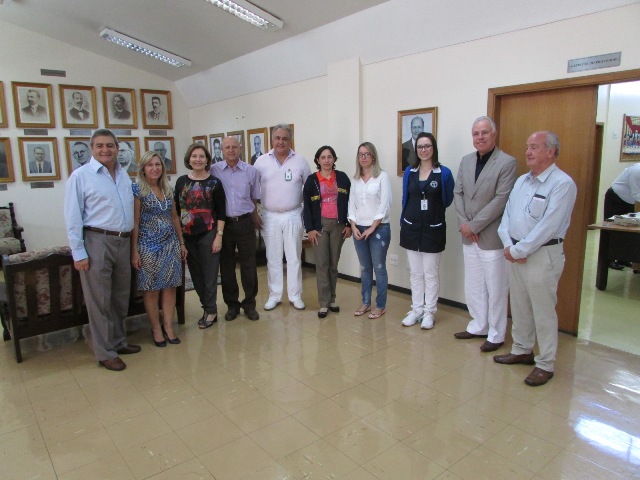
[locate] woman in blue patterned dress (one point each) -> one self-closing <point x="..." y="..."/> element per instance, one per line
<point x="157" y="246"/>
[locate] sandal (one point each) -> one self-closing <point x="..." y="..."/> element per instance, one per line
<point x="364" y="308"/>
<point x="208" y="320"/>
<point x="377" y="313"/>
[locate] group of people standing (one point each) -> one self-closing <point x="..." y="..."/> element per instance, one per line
<point x="512" y="233"/>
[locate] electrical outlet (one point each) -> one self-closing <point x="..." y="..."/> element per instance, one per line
<point x="393" y="259"/>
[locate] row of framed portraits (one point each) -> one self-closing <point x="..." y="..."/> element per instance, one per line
<point x="39" y="159"/>
<point x="257" y="143"/>
<point x="33" y="107"/>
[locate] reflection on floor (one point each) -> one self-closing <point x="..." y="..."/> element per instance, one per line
<point x="610" y="317"/>
<point x="294" y="397"/>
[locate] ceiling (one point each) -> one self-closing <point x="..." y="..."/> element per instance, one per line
<point x="193" y="29"/>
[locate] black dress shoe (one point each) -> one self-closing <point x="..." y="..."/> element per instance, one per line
<point x="467" y="336"/>
<point x="334" y="308"/>
<point x="231" y="314"/>
<point x="172" y="341"/>
<point x="162" y="343"/>
<point x="490" y="346"/>
<point x="322" y="313"/>
<point x="252" y="314"/>
<point x="129" y="349"/>
<point x="115" y="364"/>
<point x="511" y="359"/>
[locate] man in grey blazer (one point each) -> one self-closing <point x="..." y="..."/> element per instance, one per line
<point x="485" y="179"/>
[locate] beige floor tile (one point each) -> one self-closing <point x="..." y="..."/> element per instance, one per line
<point x="111" y="467"/>
<point x="483" y="464"/>
<point x="54" y="383"/>
<point x="256" y="414"/>
<point x="361" y="441"/>
<point x="231" y="395"/>
<point x="57" y="405"/>
<point x="35" y="464"/>
<point x="400" y="461"/>
<point x="359" y="474"/>
<point x="305" y="366"/>
<point x="70" y="425"/>
<point x="237" y="460"/>
<point x="397" y="420"/>
<point x="430" y="403"/>
<point x="295" y="398"/>
<point x="16" y="416"/>
<point x="500" y="405"/>
<point x="284" y="437"/>
<point x="546" y="425"/>
<point x="393" y="384"/>
<point x="137" y="430"/>
<point x="81" y="450"/>
<point x="522" y="448"/>
<point x="362" y="370"/>
<point x="440" y="443"/>
<point x="21" y="442"/>
<point x="472" y="423"/>
<point x="361" y="400"/>
<point x="209" y="434"/>
<point x="601" y="446"/>
<point x="208" y="379"/>
<point x="447" y="475"/>
<point x="189" y="470"/>
<point x="157" y="455"/>
<point x="169" y="392"/>
<point x="270" y="380"/>
<point x="325" y="417"/>
<point x="330" y="383"/>
<point x="187" y="411"/>
<point x="567" y="466"/>
<point x="455" y="385"/>
<point x="318" y="460"/>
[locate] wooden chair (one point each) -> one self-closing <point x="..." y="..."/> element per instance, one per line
<point x="10" y="232"/>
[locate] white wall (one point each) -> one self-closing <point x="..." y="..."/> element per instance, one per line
<point x="22" y="55"/>
<point x="455" y="79"/>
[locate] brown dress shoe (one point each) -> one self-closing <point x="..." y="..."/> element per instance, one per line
<point x="129" y="349"/>
<point x="511" y="359"/>
<point x="115" y="364"/>
<point x="538" y="377"/>
<point x="467" y="336"/>
<point x="490" y="346"/>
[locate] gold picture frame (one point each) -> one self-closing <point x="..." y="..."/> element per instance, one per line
<point x="119" y="108"/>
<point x="78" y="106"/>
<point x="156" y="109"/>
<point x="33" y="105"/>
<point x="78" y="152"/>
<point x="429" y="119"/>
<point x="39" y="158"/>
<point x="156" y="144"/>
<point x="4" y="121"/>
<point x="252" y="135"/>
<point x="216" y="154"/>
<point x="6" y="161"/>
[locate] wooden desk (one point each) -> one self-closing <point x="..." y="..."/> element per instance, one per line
<point x="617" y="242"/>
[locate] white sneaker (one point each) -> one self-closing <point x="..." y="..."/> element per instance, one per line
<point x="411" y="319"/>
<point x="271" y="303"/>
<point x="427" y="321"/>
<point x="298" y="304"/>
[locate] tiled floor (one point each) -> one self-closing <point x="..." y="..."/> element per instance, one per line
<point x="295" y="397"/>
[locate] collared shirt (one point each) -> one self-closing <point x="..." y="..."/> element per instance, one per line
<point x="481" y="161"/>
<point x="241" y="186"/>
<point x="93" y="199"/>
<point x="627" y="185"/>
<point x="370" y="201"/>
<point x="538" y="210"/>
<point x="281" y="184"/>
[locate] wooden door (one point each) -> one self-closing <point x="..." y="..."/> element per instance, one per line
<point x="571" y="114"/>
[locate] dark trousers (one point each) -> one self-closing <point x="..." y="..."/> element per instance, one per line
<point x="240" y="234"/>
<point x="203" y="265"/>
<point x="614" y="205"/>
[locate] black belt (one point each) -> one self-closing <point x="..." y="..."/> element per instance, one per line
<point x="235" y="219"/>
<point x="553" y="241"/>
<point x="108" y="232"/>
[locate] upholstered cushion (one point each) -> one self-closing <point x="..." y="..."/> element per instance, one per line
<point x="42" y="282"/>
<point x="9" y="245"/>
<point x="5" y="223"/>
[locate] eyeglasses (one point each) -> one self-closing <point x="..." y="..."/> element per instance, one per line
<point x="364" y="155"/>
<point x="424" y="147"/>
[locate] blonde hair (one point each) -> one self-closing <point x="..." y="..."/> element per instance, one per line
<point x="375" y="167"/>
<point x="163" y="183"/>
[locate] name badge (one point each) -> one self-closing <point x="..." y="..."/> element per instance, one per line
<point x="288" y="176"/>
<point x="424" y="204"/>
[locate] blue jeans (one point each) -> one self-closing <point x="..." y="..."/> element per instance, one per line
<point x="372" y="254"/>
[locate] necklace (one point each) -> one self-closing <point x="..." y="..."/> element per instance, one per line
<point x="166" y="201"/>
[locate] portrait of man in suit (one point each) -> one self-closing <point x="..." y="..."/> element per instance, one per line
<point x="77" y="108"/>
<point x="119" y="108"/>
<point x="217" y="151"/>
<point x="161" y="149"/>
<point x="126" y="157"/>
<point x="34" y="111"/>
<point x="81" y="153"/>
<point x="38" y="162"/>
<point x="408" y="147"/>
<point x="157" y="115"/>
<point x="257" y="148"/>
<point x="4" y="168"/>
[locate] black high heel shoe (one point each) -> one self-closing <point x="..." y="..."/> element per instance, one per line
<point x="172" y="341"/>
<point x="163" y="343"/>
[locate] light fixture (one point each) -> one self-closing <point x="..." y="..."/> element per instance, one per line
<point x="248" y="12"/>
<point x="141" y="47"/>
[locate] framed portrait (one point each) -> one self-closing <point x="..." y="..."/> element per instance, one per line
<point x="165" y="149"/>
<point x="215" y="147"/>
<point x="410" y="124"/>
<point x="39" y="158"/>
<point x="119" y="105"/>
<point x="630" y="145"/>
<point x="258" y="141"/>
<point x="239" y="135"/>
<point x="4" y="123"/>
<point x="156" y="109"/>
<point x="128" y="154"/>
<point x="292" y="140"/>
<point x="200" y="139"/>
<point x="6" y="161"/>
<point x="33" y="105"/>
<point x="78" y="106"/>
<point x="78" y="151"/>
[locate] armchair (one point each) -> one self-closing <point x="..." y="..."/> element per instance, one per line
<point x="10" y="232"/>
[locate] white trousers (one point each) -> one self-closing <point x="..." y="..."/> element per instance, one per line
<point x="282" y="233"/>
<point x="425" y="281"/>
<point x="486" y="288"/>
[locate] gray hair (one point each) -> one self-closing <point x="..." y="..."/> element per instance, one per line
<point x="485" y="118"/>
<point x="551" y="140"/>
<point x="283" y="126"/>
<point x="103" y="132"/>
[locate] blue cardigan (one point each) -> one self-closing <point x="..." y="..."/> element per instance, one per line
<point x="447" y="190"/>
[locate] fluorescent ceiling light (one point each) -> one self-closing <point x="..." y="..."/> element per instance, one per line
<point x="248" y="12"/>
<point x="141" y="47"/>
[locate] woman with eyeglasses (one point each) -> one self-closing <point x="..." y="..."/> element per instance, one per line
<point x="326" y="199"/>
<point x="427" y="190"/>
<point x="369" y="205"/>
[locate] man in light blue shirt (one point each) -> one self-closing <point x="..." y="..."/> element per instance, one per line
<point x="98" y="212"/>
<point x="532" y="230"/>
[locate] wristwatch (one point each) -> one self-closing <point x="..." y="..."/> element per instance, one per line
<point x="220" y="232"/>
